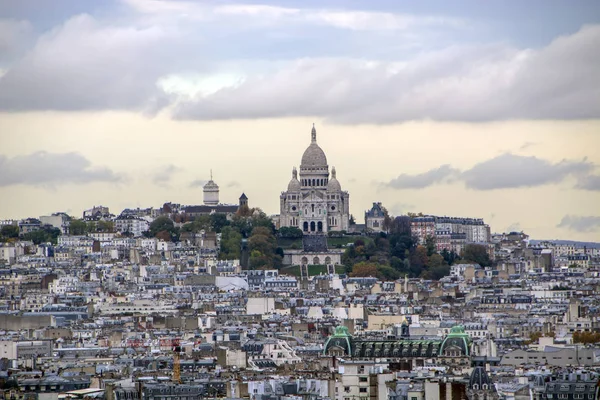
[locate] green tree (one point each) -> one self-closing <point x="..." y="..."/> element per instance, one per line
<point x="291" y="232"/>
<point x="46" y="234"/>
<point x="78" y="227"/>
<point x="430" y="245"/>
<point x="476" y="253"/>
<point x="262" y="245"/>
<point x="230" y="244"/>
<point x="436" y="261"/>
<point x="105" y="226"/>
<point x="162" y="223"/>
<point x="218" y="222"/>
<point x="9" y="231"/>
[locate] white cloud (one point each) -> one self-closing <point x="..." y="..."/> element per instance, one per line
<point x="51" y="169"/>
<point x="84" y="65"/>
<point x="482" y="83"/>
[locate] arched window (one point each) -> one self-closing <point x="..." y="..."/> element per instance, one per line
<point x="320" y="226"/>
<point x="313" y="207"/>
<point x="305" y="226"/>
<point x="316" y="261"/>
<point x="312" y="226"/>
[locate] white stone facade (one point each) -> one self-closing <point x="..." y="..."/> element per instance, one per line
<point x="315" y="203"/>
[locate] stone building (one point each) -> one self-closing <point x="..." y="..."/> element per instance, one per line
<point x="375" y="218"/>
<point x="314" y="202"/>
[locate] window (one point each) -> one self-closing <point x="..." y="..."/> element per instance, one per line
<point x="363" y="379"/>
<point x="362" y="390"/>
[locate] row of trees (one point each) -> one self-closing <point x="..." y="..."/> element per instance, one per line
<point x="586" y="337"/>
<point x="46" y="234"/>
<point x="81" y="227"/>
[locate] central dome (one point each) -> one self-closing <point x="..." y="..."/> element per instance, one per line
<point x="314" y="156"/>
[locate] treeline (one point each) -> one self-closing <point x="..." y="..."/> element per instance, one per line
<point x="396" y="253"/>
<point x="46" y="234"/>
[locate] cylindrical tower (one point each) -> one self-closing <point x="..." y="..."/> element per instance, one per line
<point x="211" y="193"/>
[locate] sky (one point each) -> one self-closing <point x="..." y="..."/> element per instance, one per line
<point x="466" y="108"/>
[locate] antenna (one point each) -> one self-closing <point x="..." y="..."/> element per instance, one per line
<point x="211" y="174"/>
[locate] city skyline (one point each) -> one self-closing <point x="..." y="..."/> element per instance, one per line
<point x="425" y="108"/>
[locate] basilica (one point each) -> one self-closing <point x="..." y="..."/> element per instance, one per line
<point x="315" y="202"/>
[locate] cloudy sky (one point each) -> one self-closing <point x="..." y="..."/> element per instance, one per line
<point x="466" y="108"/>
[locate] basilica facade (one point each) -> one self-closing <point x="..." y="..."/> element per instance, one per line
<point x="314" y="202"/>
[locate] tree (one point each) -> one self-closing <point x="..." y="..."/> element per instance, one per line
<point x="262" y="245"/>
<point x="400" y="226"/>
<point x="387" y="273"/>
<point x="477" y="253"/>
<point x="105" y="226"/>
<point x="78" y="227"/>
<point x="218" y="222"/>
<point x="291" y="232"/>
<point x="230" y="244"/>
<point x="9" y="231"/>
<point x="363" y="269"/>
<point x="430" y="245"/>
<point x="418" y="258"/>
<point x="46" y="234"/>
<point x="387" y="220"/>
<point x="162" y="223"/>
<point x="436" y="261"/>
<point x="449" y="256"/>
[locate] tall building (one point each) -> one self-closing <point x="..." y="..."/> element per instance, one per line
<point x="211" y="193"/>
<point x="314" y="203"/>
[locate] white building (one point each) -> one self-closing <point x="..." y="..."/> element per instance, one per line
<point x="314" y="203"/>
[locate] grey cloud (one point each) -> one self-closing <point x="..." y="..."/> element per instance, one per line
<point x="589" y="182"/>
<point x="580" y="223"/>
<point x="198" y="183"/>
<point x="165" y="174"/>
<point x="418" y="181"/>
<point x="233" y="184"/>
<point x="513" y="171"/>
<point x="504" y="172"/>
<point x="559" y="81"/>
<point x="49" y="169"/>
<point x="15" y="35"/>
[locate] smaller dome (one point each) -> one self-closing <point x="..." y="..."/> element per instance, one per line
<point x="294" y="185"/>
<point x="334" y="185"/>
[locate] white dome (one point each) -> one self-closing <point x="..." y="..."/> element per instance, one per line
<point x="334" y="185"/>
<point x="313" y="157"/>
<point x="294" y="185"/>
